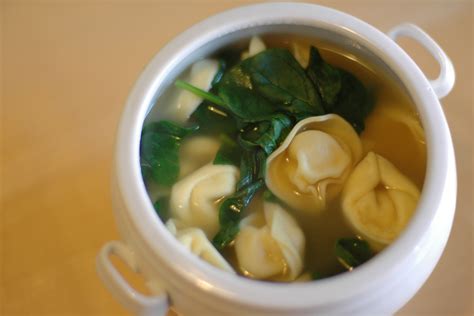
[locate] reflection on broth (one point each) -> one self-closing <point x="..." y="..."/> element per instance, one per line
<point x="287" y="163"/>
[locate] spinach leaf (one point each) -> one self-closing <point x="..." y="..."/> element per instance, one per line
<point x="228" y="153"/>
<point x="230" y="212"/>
<point x="262" y="85"/>
<point x="240" y="98"/>
<point x="342" y="93"/>
<point x="162" y="208"/>
<point x="267" y="134"/>
<point x="354" y="103"/>
<point x="159" y="150"/>
<point x="326" y="78"/>
<point x="213" y="119"/>
<point x="252" y="168"/>
<point x="352" y="252"/>
<point x="277" y="76"/>
<point x="199" y="92"/>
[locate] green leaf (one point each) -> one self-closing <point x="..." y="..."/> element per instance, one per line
<point x="228" y="153"/>
<point x="169" y="128"/>
<point x="199" y="92"/>
<point x="159" y="150"/>
<point x="213" y="119"/>
<point x="230" y="212"/>
<point x="252" y="167"/>
<point x="226" y="235"/>
<point x="354" y="103"/>
<point x="342" y="93"/>
<point x="277" y="76"/>
<point x="240" y="97"/>
<point x="352" y="252"/>
<point x="326" y="78"/>
<point x="267" y="134"/>
<point x="162" y="208"/>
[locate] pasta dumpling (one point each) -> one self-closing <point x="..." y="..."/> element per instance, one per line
<point x="301" y="53"/>
<point x="313" y="162"/>
<point x="256" y="46"/>
<point x="270" y="245"/>
<point x="378" y="200"/>
<point x="181" y="103"/>
<point x="194" y="199"/>
<point x="196" y="241"/>
<point x="196" y="152"/>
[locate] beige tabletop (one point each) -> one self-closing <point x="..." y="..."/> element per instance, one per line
<point x="66" y="69"/>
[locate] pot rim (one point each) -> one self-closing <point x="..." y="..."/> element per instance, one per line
<point x="196" y="274"/>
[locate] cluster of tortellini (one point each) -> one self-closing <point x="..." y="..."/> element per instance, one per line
<point x="270" y="244"/>
<point x="321" y="159"/>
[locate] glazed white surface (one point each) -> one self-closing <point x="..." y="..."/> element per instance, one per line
<point x="380" y="286"/>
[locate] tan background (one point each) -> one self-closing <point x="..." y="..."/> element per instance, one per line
<point x="67" y="67"/>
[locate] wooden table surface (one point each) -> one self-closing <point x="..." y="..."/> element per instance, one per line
<point x="67" y="67"/>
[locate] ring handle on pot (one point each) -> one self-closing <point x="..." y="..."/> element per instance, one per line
<point x="445" y="81"/>
<point x="134" y="301"/>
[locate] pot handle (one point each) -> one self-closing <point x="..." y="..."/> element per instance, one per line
<point x="134" y="301"/>
<point x="445" y="81"/>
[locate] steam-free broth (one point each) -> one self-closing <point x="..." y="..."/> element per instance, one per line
<point x="297" y="187"/>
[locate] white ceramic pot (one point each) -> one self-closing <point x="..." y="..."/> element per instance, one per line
<point x="382" y="285"/>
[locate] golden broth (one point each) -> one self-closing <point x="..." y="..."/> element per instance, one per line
<point x="392" y="130"/>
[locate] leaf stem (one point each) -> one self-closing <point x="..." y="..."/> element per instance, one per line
<point x="199" y="92"/>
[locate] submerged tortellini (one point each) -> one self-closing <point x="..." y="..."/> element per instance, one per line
<point x="182" y="103"/>
<point x="378" y="200"/>
<point x="196" y="241"/>
<point x="312" y="164"/>
<point x="194" y="199"/>
<point x="256" y="46"/>
<point x="270" y="245"/>
<point x="196" y="152"/>
<point x="301" y="53"/>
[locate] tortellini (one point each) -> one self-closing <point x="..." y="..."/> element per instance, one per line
<point x="270" y="245"/>
<point x="196" y="152"/>
<point x="196" y="241"/>
<point x="301" y="53"/>
<point x="312" y="164"/>
<point x="194" y="199"/>
<point x="256" y="46"/>
<point x="378" y="200"/>
<point x="180" y="104"/>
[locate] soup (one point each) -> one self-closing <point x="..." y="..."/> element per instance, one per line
<point x="281" y="161"/>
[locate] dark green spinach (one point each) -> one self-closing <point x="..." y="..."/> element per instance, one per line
<point x="162" y="208"/>
<point x="237" y="92"/>
<point x="159" y="149"/>
<point x="277" y="75"/>
<point x="213" y="119"/>
<point x="229" y="152"/>
<point x="252" y="168"/>
<point x="266" y="134"/>
<point x="341" y="92"/>
<point x="230" y="212"/>
<point x="352" y="252"/>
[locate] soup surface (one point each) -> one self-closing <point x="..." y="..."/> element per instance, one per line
<point x="289" y="194"/>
